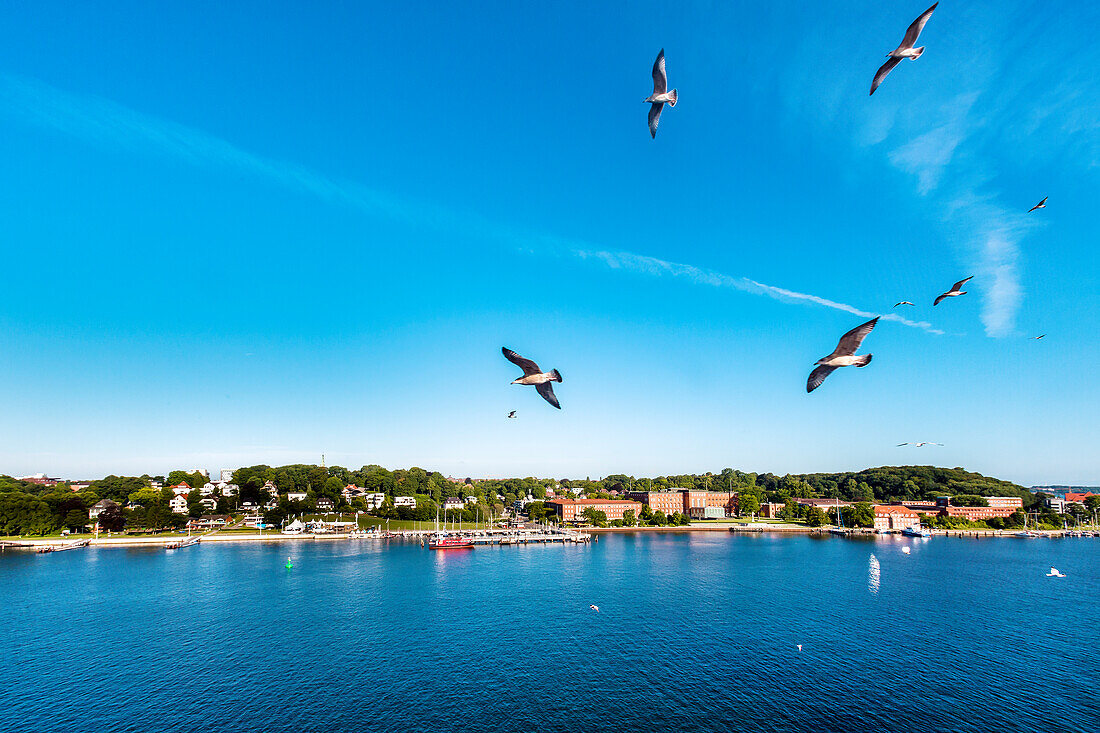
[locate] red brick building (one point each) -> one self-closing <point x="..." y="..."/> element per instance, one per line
<point x="571" y="510"/>
<point x="688" y="502"/>
<point x="895" y="516"/>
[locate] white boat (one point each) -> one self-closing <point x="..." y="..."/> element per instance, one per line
<point x="916" y="532"/>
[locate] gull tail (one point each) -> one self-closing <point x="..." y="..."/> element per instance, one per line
<point x="557" y="375"/>
<point x="864" y="360"/>
<point x="917" y="52"/>
<point x="672" y="98"/>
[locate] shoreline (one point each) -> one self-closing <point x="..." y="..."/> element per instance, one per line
<point x="731" y="529"/>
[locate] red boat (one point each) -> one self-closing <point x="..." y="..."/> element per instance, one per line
<point x="444" y="541"/>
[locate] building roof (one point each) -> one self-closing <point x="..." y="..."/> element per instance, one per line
<point x="894" y="509"/>
<point x="103" y="504"/>
<point x="590" y="502"/>
<point x="1078" y="497"/>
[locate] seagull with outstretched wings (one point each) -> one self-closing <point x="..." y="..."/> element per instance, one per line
<point x="955" y="291"/>
<point x="1041" y="205"/>
<point x="905" y="49"/>
<point x="532" y="375"/>
<point x="843" y="355"/>
<point x="661" y="96"/>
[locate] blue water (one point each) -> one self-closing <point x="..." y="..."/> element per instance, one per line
<point x="696" y="632"/>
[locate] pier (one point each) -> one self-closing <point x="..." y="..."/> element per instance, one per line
<point x="74" y="545"/>
<point x="510" y="536"/>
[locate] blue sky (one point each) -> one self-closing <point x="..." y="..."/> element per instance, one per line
<point x="264" y="232"/>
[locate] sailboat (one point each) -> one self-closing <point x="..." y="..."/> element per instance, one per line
<point x="839" y="529"/>
<point x="440" y="540"/>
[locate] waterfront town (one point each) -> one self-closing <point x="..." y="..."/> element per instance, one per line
<point x="300" y="499"/>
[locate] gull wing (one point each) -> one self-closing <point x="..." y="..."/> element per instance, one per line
<point x="660" y="79"/>
<point x="939" y="298"/>
<point x="817" y="376"/>
<point x="958" y="286"/>
<point x="850" y="341"/>
<point x="1038" y="205"/>
<point x="547" y="393"/>
<point x="913" y="32"/>
<point x="883" y="71"/>
<point x="529" y="367"/>
<point x="654" y="118"/>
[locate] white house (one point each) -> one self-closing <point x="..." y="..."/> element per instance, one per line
<point x="374" y="501"/>
<point x="181" y="488"/>
<point x="400" y="501"/>
<point x="471" y="499"/>
<point x="452" y="502"/>
<point x="296" y="496"/>
<point x="228" y="488"/>
<point x="209" y="504"/>
<point x="270" y="488"/>
<point x="94" y="512"/>
<point x="207" y="488"/>
<point x="178" y="503"/>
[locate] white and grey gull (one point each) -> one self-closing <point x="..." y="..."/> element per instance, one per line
<point x="532" y="375"/>
<point x="661" y="96"/>
<point x="905" y="50"/>
<point x="955" y="291"/>
<point x="843" y="355"/>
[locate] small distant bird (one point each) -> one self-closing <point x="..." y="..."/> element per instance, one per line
<point x="799" y="647"/>
<point x="955" y="291"/>
<point x="1043" y="336"/>
<point x="660" y="94"/>
<point x="594" y="608"/>
<point x="905" y="550"/>
<point x="920" y="444"/>
<point x="533" y="375"/>
<point x="843" y="355"/>
<point x="1041" y="205"/>
<point x="1055" y="574"/>
<point x="905" y="50"/>
<point x="512" y="413"/>
<point x="903" y="302"/>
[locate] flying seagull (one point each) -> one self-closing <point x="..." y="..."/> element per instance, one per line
<point x="594" y="607"/>
<point x="843" y="355"/>
<point x="660" y="94"/>
<point x="512" y="413"/>
<point x="903" y="302"/>
<point x="905" y="50"/>
<point x="920" y="444"/>
<point x="533" y="375"/>
<point x="954" y="292"/>
<point x="1039" y="337"/>
<point x="1041" y="205"/>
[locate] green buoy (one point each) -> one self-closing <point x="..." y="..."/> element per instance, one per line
<point x="289" y="564"/>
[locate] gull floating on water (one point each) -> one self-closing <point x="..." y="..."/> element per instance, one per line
<point x="843" y="355"/>
<point x="660" y="94"/>
<point x="905" y="550"/>
<point x="1041" y="205"/>
<point x="903" y="302"/>
<point x="955" y="291"/>
<point x="905" y="50"/>
<point x="533" y="375"/>
<point x="512" y="413"/>
<point x="799" y="647"/>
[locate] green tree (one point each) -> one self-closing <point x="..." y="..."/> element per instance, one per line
<point x="76" y="520"/>
<point x="748" y="504"/>
<point x="111" y="519"/>
<point x="629" y="519"/>
<point x="815" y="517"/>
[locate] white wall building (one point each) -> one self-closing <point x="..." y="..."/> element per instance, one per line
<point x="227" y="475"/>
<point x="409" y="501"/>
<point x="178" y="503"/>
<point x="296" y="496"/>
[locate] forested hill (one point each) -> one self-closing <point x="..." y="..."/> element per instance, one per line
<point x="911" y="482"/>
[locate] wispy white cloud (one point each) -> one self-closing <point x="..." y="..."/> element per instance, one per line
<point x="102" y="121"/>
<point x="643" y="264"/>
